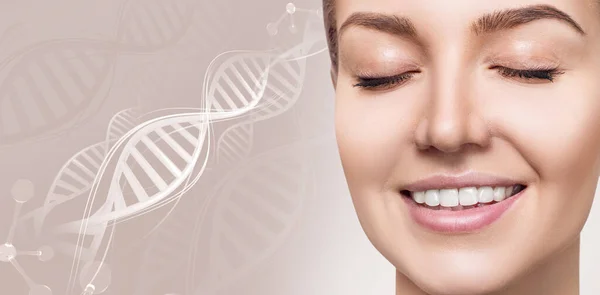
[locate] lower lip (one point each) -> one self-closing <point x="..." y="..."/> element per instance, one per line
<point x="461" y="221"/>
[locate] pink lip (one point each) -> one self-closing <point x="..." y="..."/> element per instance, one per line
<point x="468" y="179"/>
<point x="461" y="221"/>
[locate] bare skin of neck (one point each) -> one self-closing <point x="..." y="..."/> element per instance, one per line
<point x="558" y="276"/>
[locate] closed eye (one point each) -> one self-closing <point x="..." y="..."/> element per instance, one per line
<point x="534" y="75"/>
<point x="530" y="75"/>
<point x="382" y="83"/>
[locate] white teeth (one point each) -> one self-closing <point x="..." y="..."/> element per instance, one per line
<point x="449" y="197"/>
<point x="419" y="197"/>
<point x="432" y="197"/>
<point x="466" y="196"/>
<point x="485" y="195"/>
<point x="499" y="194"/>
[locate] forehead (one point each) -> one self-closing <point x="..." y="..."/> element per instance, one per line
<point x="456" y="14"/>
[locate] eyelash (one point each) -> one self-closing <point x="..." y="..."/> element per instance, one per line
<point x="536" y="73"/>
<point x="381" y="82"/>
<point x="529" y="74"/>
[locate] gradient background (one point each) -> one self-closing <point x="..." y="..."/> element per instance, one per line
<point x="230" y="233"/>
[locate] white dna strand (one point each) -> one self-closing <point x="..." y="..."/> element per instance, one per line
<point x="152" y="139"/>
<point x="160" y="259"/>
<point x="248" y="204"/>
<point x="222" y="106"/>
<point x="287" y="76"/>
<point x="120" y="124"/>
<point x="50" y="87"/>
<point x="78" y="173"/>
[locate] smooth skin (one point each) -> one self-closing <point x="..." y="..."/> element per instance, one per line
<point x="457" y="111"/>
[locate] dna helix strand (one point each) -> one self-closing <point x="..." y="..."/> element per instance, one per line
<point x="191" y="128"/>
<point x="288" y="70"/>
<point x="283" y="90"/>
<point x="174" y="131"/>
<point x="95" y="149"/>
<point x="223" y="105"/>
<point x="54" y="84"/>
<point x="78" y="173"/>
<point x="92" y="161"/>
<point x="256" y="207"/>
<point x="160" y="259"/>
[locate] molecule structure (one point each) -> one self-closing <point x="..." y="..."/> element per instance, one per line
<point x="22" y="191"/>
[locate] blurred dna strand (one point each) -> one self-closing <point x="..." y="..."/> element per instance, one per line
<point x="144" y="164"/>
<point x="50" y="87"/>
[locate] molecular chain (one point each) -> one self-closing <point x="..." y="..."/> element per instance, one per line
<point x="288" y="69"/>
<point x="221" y="112"/>
<point x="136" y="33"/>
<point x="22" y="191"/>
<point x="290" y="11"/>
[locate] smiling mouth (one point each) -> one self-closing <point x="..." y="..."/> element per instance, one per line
<point x="455" y="199"/>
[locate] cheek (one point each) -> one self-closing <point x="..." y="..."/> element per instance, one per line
<point x="371" y="132"/>
<point x="558" y="132"/>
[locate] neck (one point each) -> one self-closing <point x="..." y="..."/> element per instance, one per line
<point x="558" y="276"/>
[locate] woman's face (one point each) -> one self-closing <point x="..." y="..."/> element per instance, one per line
<point x="469" y="132"/>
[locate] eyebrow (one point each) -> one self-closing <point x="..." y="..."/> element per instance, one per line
<point x="485" y="24"/>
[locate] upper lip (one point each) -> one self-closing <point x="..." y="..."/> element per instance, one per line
<point x="467" y="179"/>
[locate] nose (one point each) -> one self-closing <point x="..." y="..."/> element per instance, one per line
<point x="451" y="118"/>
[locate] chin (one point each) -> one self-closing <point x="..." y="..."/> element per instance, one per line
<point x="452" y="264"/>
<point x="460" y="279"/>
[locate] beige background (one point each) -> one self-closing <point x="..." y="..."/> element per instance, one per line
<point x="278" y="220"/>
